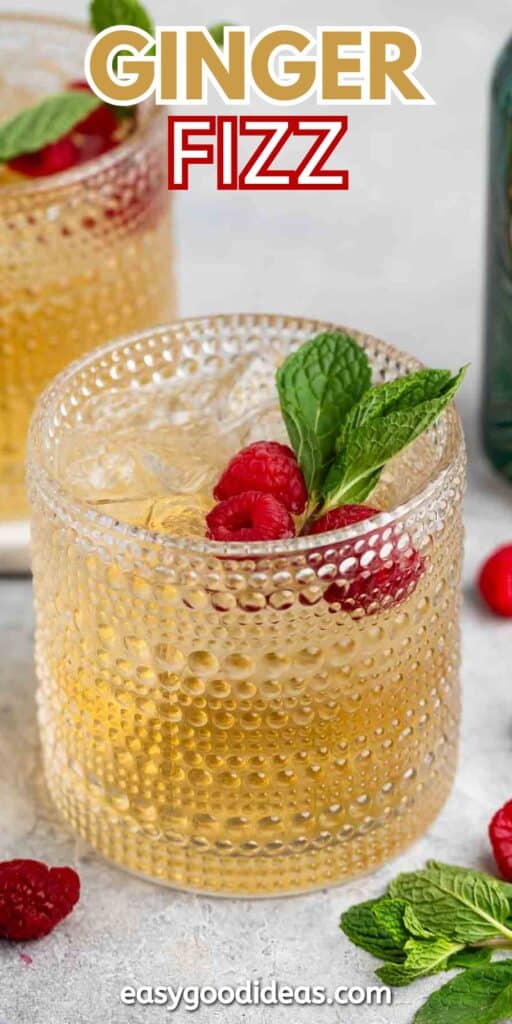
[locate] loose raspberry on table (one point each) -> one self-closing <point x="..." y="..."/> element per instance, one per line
<point x="384" y="583"/>
<point x="250" y="516"/>
<point x="500" y="834"/>
<point x="34" y="898"/>
<point x="495" y="581"/>
<point x="267" y="467"/>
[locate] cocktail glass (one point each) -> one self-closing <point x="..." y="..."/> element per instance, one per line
<point x="85" y="255"/>
<point x="210" y="716"/>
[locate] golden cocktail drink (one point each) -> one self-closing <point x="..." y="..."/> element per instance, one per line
<point x="84" y="254"/>
<point x="209" y="717"/>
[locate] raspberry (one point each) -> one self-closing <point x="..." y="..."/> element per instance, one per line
<point x="495" y="581"/>
<point x="267" y="467"/>
<point x="394" y="579"/>
<point x="249" y="516"/>
<point x="34" y="898"/>
<point x="55" y="157"/>
<point x="500" y="834"/>
<point x="88" y="139"/>
<point x="337" y="518"/>
<point x="99" y="127"/>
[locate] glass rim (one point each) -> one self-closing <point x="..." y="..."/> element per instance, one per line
<point x="76" y="175"/>
<point x="67" y="506"/>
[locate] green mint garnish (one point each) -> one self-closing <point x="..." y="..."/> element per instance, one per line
<point x="362" y="927"/>
<point x="387" y="419"/>
<point x="45" y="122"/>
<point x="423" y="958"/>
<point x="343" y="431"/>
<point x="318" y="385"/>
<point x="456" y="903"/>
<point x="480" y="996"/>
<point x="436" y="919"/>
<point x="470" y="958"/>
<point x="106" y="13"/>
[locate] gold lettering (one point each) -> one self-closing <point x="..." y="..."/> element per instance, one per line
<point x="201" y="53"/>
<point x="305" y="69"/>
<point x="99" y="58"/>
<point x="396" y="70"/>
<point x="334" y="65"/>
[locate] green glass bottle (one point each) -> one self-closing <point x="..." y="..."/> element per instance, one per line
<point x="497" y="409"/>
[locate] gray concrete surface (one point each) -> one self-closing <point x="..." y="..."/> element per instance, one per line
<point x="399" y="255"/>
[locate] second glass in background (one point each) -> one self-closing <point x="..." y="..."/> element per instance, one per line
<point x="85" y="255"/>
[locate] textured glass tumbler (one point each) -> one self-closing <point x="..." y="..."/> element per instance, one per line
<point x="209" y="718"/>
<point x="84" y="255"/>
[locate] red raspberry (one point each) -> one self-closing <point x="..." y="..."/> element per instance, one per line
<point x="495" y="581"/>
<point x="86" y="140"/>
<point x="346" y="515"/>
<point x="99" y="126"/>
<point x="393" y="580"/>
<point x="55" y="157"/>
<point x="249" y="516"/>
<point x="500" y="834"/>
<point x="267" y="467"/>
<point x="34" y="898"/>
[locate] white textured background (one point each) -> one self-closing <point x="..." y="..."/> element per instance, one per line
<point x="400" y="255"/>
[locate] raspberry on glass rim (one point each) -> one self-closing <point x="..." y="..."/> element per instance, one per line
<point x="386" y="582"/>
<point x="268" y="467"/>
<point x="249" y="517"/>
<point x="96" y="134"/>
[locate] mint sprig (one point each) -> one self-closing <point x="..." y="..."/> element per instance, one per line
<point x="343" y="431"/>
<point x="317" y="386"/>
<point x="106" y="13"/>
<point x="480" y="996"/>
<point x="441" y="918"/>
<point x="387" y="419"/>
<point x="422" y="958"/>
<point x="456" y="903"/>
<point x="44" y="123"/>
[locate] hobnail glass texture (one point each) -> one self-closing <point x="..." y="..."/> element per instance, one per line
<point x="209" y="718"/>
<point x="85" y="255"/>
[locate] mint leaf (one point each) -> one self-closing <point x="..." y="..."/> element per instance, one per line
<point x="47" y="121"/>
<point x="380" y="427"/>
<point x="106" y="13"/>
<point x="455" y="903"/>
<point x="318" y="385"/>
<point x="423" y="958"/>
<point x="480" y="996"/>
<point x="389" y="915"/>
<point x="217" y="31"/>
<point x="468" y="958"/>
<point x="402" y="393"/>
<point x="414" y="926"/>
<point x="362" y="928"/>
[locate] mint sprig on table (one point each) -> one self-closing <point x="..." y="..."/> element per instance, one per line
<point x="342" y="429"/>
<point x="53" y="117"/>
<point x="437" y="919"/>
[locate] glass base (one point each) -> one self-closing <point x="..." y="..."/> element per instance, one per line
<point x="14" y="547"/>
